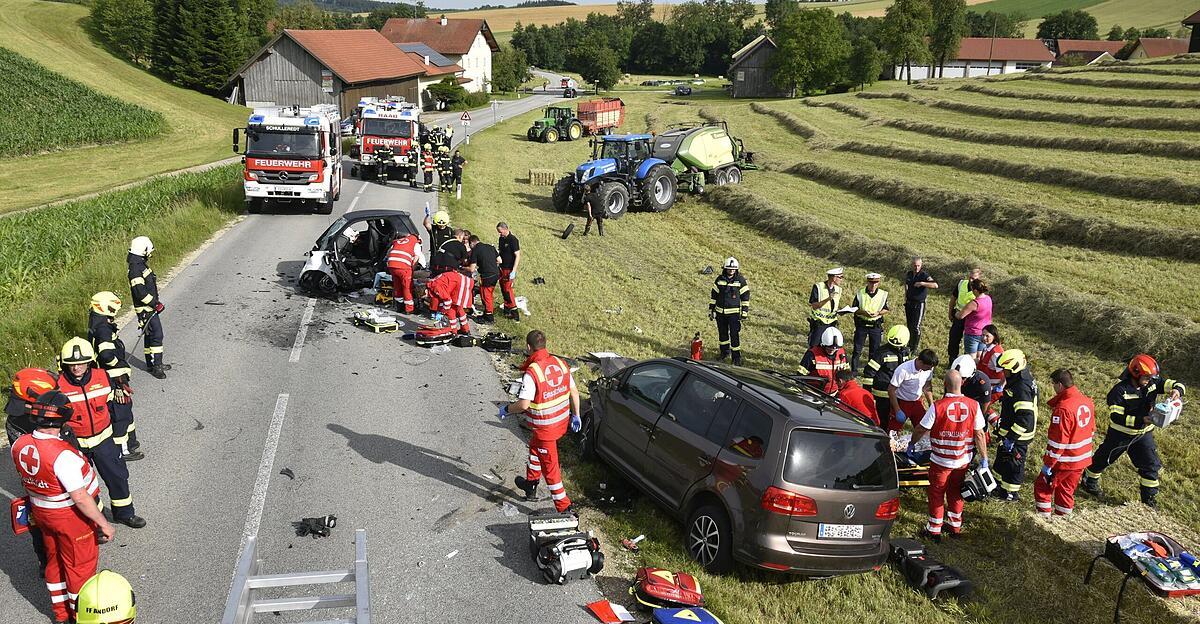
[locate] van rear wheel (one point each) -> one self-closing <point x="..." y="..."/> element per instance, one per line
<point x="709" y="539"/>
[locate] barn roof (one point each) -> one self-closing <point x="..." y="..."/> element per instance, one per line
<point x="1089" y="45"/>
<point x="1162" y="46"/>
<point x="356" y="56"/>
<point x="1193" y="19"/>
<point x="453" y="37"/>
<point x="1000" y="49"/>
<point x="746" y="50"/>
<point x="432" y="69"/>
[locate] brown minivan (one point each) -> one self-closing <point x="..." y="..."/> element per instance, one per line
<point x="762" y="469"/>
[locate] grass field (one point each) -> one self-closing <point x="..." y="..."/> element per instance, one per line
<point x="1059" y="255"/>
<point x="51" y="34"/>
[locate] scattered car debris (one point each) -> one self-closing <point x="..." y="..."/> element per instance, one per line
<point x="610" y="613"/>
<point x="632" y="544"/>
<point x="567" y="232"/>
<point x="214" y="302"/>
<point x="316" y="527"/>
<point x="452" y="554"/>
<point x="287" y="472"/>
<point x="539" y="281"/>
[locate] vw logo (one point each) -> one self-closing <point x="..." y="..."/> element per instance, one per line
<point x="848" y="511"/>
<point x="283" y="175"/>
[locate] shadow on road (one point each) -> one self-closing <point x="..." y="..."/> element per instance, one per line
<point x="514" y="549"/>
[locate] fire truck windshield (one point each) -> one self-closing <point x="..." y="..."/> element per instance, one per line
<point x="291" y="144"/>
<point x="387" y="127"/>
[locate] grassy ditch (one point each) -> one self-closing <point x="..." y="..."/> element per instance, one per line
<point x="42" y="302"/>
<point x="1076" y="98"/>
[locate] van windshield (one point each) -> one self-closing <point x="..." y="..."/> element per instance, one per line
<point x="387" y="127"/>
<point x="839" y="461"/>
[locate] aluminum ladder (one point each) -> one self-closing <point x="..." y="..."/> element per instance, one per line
<point x="242" y="604"/>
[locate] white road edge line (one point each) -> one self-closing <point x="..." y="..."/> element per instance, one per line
<point x="363" y="187"/>
<point x="258" y="499"/>
<point x="303" y="331"/>
<point x="353" y="204"/>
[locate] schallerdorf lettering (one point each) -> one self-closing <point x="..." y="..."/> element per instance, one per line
<point x="262" y="162"/>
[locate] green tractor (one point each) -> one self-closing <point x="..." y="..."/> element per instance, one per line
<point x="559" y="122"/>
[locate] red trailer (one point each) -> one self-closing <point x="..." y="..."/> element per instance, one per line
<point x="602" y="115"/>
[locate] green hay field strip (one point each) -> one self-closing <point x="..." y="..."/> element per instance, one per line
<point x="1012" y="91"/>
<point x="1119" y="81"/>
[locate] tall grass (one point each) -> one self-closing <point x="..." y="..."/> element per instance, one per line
<point x="1079" y="98"/>
<point x="43" y="111"/>
<point x="1068" y="117"/>
<point x="1116" y="83"/>
<point x="1134" y="187"/>
<point x="52" y="260"/>
<point x="1053" y="310"/>
<point x="1024" y="219"/>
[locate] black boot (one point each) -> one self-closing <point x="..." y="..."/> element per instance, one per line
<point x="1149" y="497"/>
<point x="529" y="487"/>
<point x="600" y="226"/>
<point x="1091" y="485"/>
<point x="133" y="522"/>
<point x="587" y="227"/>
<point x="133" y="455"/>
<point x="154" y="366"/>
<point x="737" y="358"/>
<point x="724" y="353"/>
<point x="488" y="318"/>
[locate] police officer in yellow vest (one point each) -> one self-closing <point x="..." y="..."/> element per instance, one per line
<point x="962" y="296"/>
<point x="824" y="300"/>
<point x="872" y="304"/>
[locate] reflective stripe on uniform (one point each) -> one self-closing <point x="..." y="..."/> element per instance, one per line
<point x="96" y="440"/>
<point x="1130" y="430"/>
<point x="122" y="502"/>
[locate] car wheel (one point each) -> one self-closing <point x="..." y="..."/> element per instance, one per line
<point x="709" y="539"/>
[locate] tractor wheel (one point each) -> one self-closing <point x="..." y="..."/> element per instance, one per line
<point x="658" y="189"/>
<point x="612" y="197"/>
<point x="531" y="134"/>
<point x="574" y="131"/>
<point x="721" y="177"/>
<point x="735" y="175"/>
<point x="561" y="198"/>
<point x="551" y="135"/>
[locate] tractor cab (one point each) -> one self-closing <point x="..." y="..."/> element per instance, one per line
<point x="615" y="154"/>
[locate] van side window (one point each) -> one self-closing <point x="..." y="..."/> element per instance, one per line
<point x="751" y="434"/>
<point x="698" y="403"/>
<point x="652" y="384"/>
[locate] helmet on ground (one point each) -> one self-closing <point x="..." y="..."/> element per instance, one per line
<point x="898" y="336"/>
<point x="1142" y="365"/>
<point x="106" y="303"/>
<point x="52" y="409"/>
<point x="441" y="217"/>
<point x="30" y="383"/>
<point x="832" y="337"/>
<point x="1012" y="360"/>
<point x="964" y="364"/>
<point x="77" y="351"/>
<point x="106" y="598"/>
<point x="141" y="246"/>
<point x="731" y="263"/>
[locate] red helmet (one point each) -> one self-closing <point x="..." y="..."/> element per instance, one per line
<point x="1142" y="365"/>
<point x="29" y="383"/>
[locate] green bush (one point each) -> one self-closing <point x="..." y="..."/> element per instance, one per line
<point x="44" y="110"/>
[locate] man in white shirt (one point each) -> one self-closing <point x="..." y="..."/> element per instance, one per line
<point x="910" y="390"/>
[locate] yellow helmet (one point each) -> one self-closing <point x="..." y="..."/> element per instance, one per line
<point x="1012" y="361"/>
<point x="106" y="303"/>
<point x="106" y="598"/>
<point x="898" y="336"/>
<point x="77" y="351"/>
<point x="441" y="217"/>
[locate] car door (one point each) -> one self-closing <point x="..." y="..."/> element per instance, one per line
<point x="687" y="437"/>
<point x="634" y="406"/>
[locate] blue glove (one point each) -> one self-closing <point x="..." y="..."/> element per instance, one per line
<point x="983" y="463"/>
<point x="503" y="411"/>
<point x="1007" y="445"/>
<point x="576" y="423"/>
<point x="1047" y="472"/>
<point x="427" y="209"/>
<point x="901" y="417"/>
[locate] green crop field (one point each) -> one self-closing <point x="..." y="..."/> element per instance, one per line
<point x="37" y="101"/>
<point x="1088" y="234"/>
<point x="52" y="34"/>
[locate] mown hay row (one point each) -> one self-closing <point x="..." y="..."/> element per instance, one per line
<point x="1178" y="59"/>
<point x="791" y="122"/>
<point x="1116" y="83"/>
<point x="652" y="121"/>
<point x="1133" y="187"/>
<point x="707" y="114"/>
<point x="1071" y="98"/>
<point x="1068" y="117"/>
<point x="1148" y="147"/>
<point x="1062" y="314"/>
<point x="1027" y="220"/>
<point x="1133" y="69"/>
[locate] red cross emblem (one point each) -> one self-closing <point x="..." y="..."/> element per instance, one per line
<point x="957" y="412"/>
<point x="30" y="461"/>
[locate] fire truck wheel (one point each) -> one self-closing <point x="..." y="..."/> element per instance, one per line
<point x="254" y="206"/>
<point x="324" y="207"/>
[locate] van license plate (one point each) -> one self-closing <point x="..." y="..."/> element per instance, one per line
<point x="840" y="531"/>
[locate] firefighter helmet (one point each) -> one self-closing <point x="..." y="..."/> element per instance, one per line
<point x="441" y="218"/>
<point x="141" y="246"/>
<point x="731" y="263"/>
<point x="77" y="351"/>
<point x="428" y="146"/>
<point x="898" y="336"/>
<point x="106" y="303"/>
<point x="106" y="598"/>
<point x="1142" y="365"/>
<point x="52" y="409"/>
<point x="832" y="337"/>
<point x="965" y="365"/>
<point x="29" y="383"/>
<point x="1012" y="361"/>
<point x="443" y="149"/>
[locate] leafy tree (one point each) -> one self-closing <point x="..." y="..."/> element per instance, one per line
<point x="949" y="27"/>
<point x="779" y="10"/>
<point x="127" y="26"/>
<point x="510" y="69"/>
<point x="1004" y="25"/>
<point x="1116" y="33"/>
<point x="904" y="27"/>
<point x="812" y="51"/>
<point x="1068" y="24"/>
<point x="651" y="51"/>
<point x="1156" y="33"/>
<point x="865" y="64"/>
<point x="255" y="15"/>
<point x="596" y="64"/>
<point x="303" y="15"/>
<point x="858" y="27"/>
<point x="635" y="13"/>
<point x="447" y="92"/>
<point x="377" y="18"/>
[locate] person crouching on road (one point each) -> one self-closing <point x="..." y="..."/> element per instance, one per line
<point x="856" y="397"/>
<point x="911" y="389"/>
<point x="550" y="402"/>
<point x="403" y="257"/>
<point x="110" y="355"/>
<point x="956" y="430"/>
<point x="63" y="491"/>
<point x="451" y="293"/>
<point x="1068" y="446"/>
<point x="825" y="360"/>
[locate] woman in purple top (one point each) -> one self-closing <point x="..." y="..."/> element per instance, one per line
<point x="976" y="315"/>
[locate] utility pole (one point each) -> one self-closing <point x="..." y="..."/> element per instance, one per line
<point x="992" y="47"/>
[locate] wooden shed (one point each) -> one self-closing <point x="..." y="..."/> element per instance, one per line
<point x="749" y="73"/>
<point x="1193" y="21"/>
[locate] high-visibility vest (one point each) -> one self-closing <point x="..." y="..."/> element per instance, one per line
<point x="826" y="314"/>
<point x="871" y="304"/>
<point x="952" y="437"/>
<point x="402" y="253"/>
<point x="963" y="295"/>
<point x="35" y="458"/>
<point x="1072" y="426"/>
<point x="91" y="421"/>
<point x="549" y="412"/>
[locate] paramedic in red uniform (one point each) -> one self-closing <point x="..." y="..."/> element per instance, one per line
<point x="62" y="491"/>
<point x="825" y="360"/>
<point x="402" y="256"/>
<point x="1068" y="446"/>
<point x="956" y="430"/>
<point x="452" y="293"/>
<point x="550" y="402"/>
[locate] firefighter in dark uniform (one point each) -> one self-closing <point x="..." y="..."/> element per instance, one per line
<point x="729" y="305"/>
<point x="1129" y="428"/>
<point x="456" y="169"/>
<point x="427" y="167"/>
<point x="1017" y="424"/>
<point x="143" y="284"/>
<point x="443" y="166"/>
<point x="877" y="374"/>
<point x="439" y="229"/>
<point x="110" y="355"/>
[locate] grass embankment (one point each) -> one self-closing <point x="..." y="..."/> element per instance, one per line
<point x="54" y="259"/>
<point x="639" y="291"/>
<point x="36" y="102"/>
<point x="53" y="34"/>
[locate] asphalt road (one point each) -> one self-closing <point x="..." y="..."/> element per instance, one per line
<point x="384" y="435"/>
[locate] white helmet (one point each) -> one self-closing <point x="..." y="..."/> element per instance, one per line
<point x="832" y="337"/>
<point x="731" y="263"/>
<point x="965" y="365"/>
<point x="141" y="246"/>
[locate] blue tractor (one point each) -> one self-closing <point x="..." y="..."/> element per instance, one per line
<point x="622" y="174"/>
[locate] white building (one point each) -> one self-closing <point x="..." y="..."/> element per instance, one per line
<point x="467" y="43"/>
<point x="985" y="56"/>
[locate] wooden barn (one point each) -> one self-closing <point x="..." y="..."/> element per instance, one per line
<point x="1193" y="21"/>
<point x="749" y="73"/>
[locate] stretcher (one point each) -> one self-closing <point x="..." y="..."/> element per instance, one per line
<point x="1163" y="565"/>
<point x="912" y="475"/>
<point x="374" y="321"/>
<point x="432" y="335"/>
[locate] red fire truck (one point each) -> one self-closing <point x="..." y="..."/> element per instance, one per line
<point x="291" y="157"/>
<point x="392" y="127"/>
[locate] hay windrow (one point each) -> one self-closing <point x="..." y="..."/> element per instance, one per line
<point x="652" y="122"/>
<point x="1133" y="69"/>
<point x="1071" y="98"/>
<point x="707" y="114"/>
<point x="794" y="124"/>
<point x="1116" y="83"/>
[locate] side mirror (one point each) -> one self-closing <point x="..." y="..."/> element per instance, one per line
<point x="333" y="151"/>
<point x="236" y="141"/>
